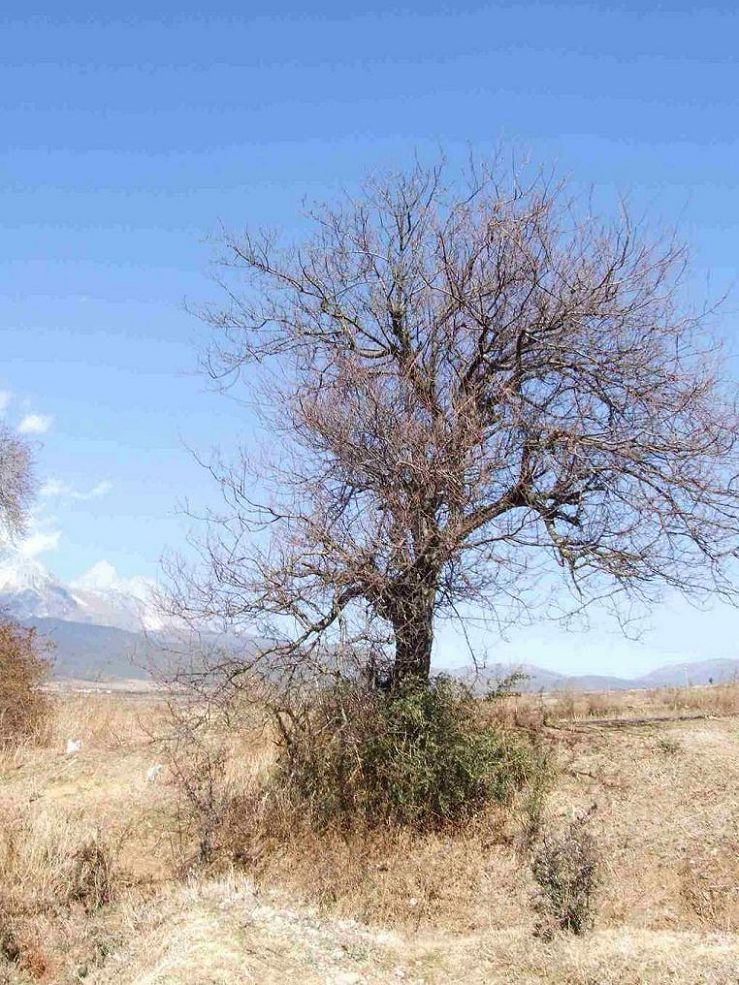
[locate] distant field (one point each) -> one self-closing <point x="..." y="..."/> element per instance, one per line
<point x="120" y="685"/>
<point x="661" y="768"/>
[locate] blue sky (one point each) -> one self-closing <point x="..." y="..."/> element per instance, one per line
<point x="128" y="137"/>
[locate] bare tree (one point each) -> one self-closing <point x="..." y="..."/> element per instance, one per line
<point x="464" y="390"/>
<point x="16" y="482"/>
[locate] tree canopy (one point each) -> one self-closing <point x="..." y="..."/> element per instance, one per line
<point x="465" y="383"/>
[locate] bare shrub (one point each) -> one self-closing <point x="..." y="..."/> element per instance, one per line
<point x="199" y="742"/>
<point x="565" y="867"/>
<point x="23" y="666"/>
<point x="669" y="746"/>
<point x="204" y="797"/>
<point x="602" y="705"/>
<point x="91" y="877"/>
<point x="564" y="707"/>
<point x="534" y="801"/>
<point x="9" y="947"/>
<point x="504" y="704"/>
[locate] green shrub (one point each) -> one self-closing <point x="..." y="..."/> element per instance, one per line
<point x="417" y="756"/>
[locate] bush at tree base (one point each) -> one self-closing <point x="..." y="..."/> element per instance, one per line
<point x="416" y="756"/>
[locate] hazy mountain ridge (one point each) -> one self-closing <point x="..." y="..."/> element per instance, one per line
<point x="538" y="679"/>
<point x="106" y="627"/>
<point x="97" y="653"/>
<point x="87" y="651"/>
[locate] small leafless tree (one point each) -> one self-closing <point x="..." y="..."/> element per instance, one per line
<point x="16" y="483"/>
<point x="465" y="389"/>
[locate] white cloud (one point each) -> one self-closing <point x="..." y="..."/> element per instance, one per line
<point x="101" y="489"/>
<point x="54" y="487"/>
<point x="39" y="542"/>
<point x="57" y="488"/>
<point x="35" y="424"/>
<point x="4" y="401"/>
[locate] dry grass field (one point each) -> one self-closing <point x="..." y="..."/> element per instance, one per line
<point x="98" y="879"/>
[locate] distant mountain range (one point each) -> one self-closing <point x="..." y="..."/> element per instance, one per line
<point x="87" y="652"/>
<point x="104" y="627"/>
<point x="101" y="625"/>
<point x="672" y="675"/>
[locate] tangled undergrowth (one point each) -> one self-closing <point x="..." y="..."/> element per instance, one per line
<point x="418" y="757"/>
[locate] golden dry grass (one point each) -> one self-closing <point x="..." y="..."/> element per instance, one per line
<point x="571" y="706"/>
<point x="384" y="907"/>
<point x="232" y="936"/>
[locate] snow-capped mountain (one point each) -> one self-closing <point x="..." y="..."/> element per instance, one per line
<point x="28" y="591"/>
<point x="127" y="603"/>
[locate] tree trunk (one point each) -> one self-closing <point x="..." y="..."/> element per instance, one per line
<point x="414" y="636"/>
